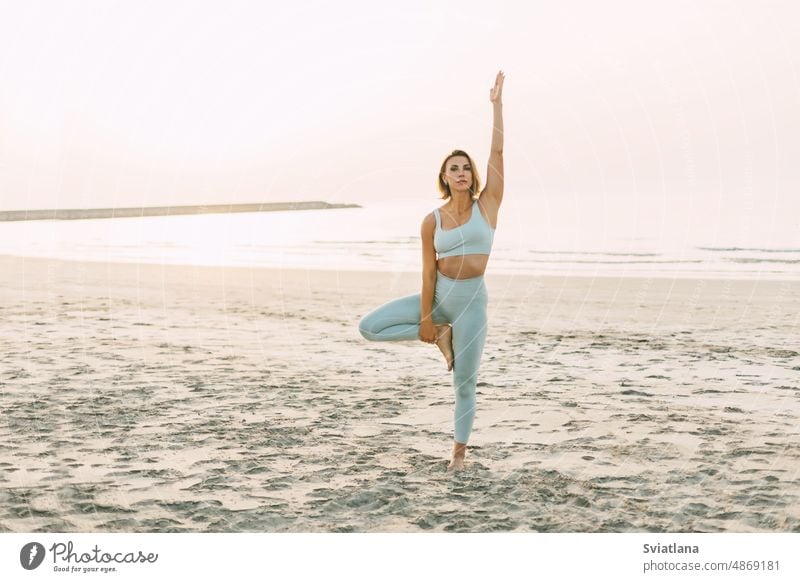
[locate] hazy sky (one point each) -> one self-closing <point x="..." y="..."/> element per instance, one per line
<point x="146" y="103"/>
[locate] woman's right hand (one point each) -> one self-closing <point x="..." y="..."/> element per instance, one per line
<point x="496" y="92"/>
<point x="427" y="331"/>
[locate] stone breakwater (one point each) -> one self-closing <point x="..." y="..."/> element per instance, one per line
<point x="85" y="213"/>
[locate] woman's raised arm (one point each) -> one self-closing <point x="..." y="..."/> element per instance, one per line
<point x="494" y="173"/>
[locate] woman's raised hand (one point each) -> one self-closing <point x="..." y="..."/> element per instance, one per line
<point x="496" y="92"/>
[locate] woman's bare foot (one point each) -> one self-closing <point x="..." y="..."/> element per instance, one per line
<point x="444" y="339"/>
<point x="459" y="452"/>
<point x="457" y="464"/>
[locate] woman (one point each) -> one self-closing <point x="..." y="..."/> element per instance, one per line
<point x="456" y="243"/>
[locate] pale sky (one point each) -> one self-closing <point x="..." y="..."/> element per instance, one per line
<point x="149" y="103"/>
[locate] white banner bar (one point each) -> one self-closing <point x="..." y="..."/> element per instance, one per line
<point x="371" y="557"/>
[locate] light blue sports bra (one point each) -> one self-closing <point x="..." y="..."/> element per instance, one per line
<point x="474" y="237"/>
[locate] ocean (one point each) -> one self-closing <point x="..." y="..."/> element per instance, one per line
<point x="384" y="236"/>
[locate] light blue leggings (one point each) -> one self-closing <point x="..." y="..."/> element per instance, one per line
<point x="460" y="302"/>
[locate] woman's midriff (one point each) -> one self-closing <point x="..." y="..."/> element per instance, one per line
<point x="463" y="266"/>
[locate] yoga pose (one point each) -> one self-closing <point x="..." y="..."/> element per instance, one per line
<point x="451" y="309"/>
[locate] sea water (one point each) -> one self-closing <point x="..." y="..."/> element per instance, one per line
<point x="385" y="236"/>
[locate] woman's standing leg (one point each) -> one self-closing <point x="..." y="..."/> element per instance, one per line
<point x="465" y="303"/>
<point x="469" y="336"/>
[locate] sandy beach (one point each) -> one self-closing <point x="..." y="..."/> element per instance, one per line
<point x="142" y="398"/>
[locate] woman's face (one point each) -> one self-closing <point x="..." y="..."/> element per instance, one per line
<point x="458" y="173"/>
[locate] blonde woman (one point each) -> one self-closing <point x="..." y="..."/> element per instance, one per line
<point x="456" y="243"/>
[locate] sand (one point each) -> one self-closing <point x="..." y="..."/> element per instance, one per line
<point x="146" y="398"/>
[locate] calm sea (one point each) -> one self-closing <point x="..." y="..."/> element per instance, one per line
<point x="384" y="236"/>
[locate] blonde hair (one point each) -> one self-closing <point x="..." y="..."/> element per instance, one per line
<point x="476" y="179"/>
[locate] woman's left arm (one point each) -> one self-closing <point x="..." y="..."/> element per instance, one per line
<point x="494" y="174"/>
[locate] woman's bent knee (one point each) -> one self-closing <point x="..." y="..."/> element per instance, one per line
<point x="366" y="329"/>
<point x="366" y="326"/>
